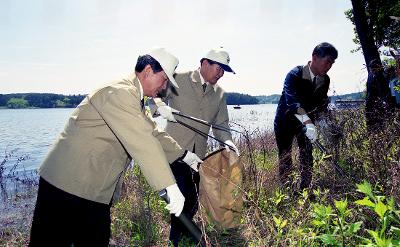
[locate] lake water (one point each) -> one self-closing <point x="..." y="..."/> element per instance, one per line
<point x="31" y="132"/>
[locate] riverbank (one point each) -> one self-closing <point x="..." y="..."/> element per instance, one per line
<point x="17" y="202"/>
<point x="273" y="215"/>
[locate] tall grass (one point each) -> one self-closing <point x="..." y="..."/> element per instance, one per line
<point x="332" y="212"/>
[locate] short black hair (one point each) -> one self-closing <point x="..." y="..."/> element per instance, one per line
<point x="144" y="60"/>
<point x="325" y="49"/>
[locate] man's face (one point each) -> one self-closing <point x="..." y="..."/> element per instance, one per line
<point x="154" y="83"/>
<point x="321" y="65"/>
<point x="211" y="72"/>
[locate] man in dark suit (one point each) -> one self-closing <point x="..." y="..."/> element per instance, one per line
<point x="304" y="98"/>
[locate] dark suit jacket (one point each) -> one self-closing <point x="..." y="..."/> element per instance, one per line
<point x="300" y="91"/>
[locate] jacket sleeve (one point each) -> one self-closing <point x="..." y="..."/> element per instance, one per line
<point x="222" y="119"/>
<point x="120" y="108"/>
<point x="171" y="148"/>
<point x="290" y="92"/>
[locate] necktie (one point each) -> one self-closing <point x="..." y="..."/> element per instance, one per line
<point x="204" y="86"/>
<point x="142" y="103"/>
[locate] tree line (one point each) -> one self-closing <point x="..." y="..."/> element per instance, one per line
<point x="39" y="100"/>
<point x="50" y="100"/>
<point x="240" y="99"/>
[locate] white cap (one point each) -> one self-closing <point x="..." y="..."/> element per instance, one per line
<point x="221" y="57"/>
<point x="167" y="61"/>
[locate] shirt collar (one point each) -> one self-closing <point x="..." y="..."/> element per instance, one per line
<point x="202" y="81"/>
<point x="140" y="89"/>
<point x="311" y="73"/>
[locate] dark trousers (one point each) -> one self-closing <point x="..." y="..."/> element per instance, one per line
<point x="61" y="219"/>
<point x="188" y="183"/>
<point x="284" y="139"/>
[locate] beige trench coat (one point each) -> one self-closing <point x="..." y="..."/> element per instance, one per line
<point x="209" y="106"/>
<point x="102" y="134"/>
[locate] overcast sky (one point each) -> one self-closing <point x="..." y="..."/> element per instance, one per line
<point x="75" y="46"/>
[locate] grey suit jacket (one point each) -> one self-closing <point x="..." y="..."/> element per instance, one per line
<point x="191" y="100"/>
<point x="102" y="134"/>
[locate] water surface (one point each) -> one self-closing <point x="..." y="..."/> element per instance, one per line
<point x="31" y="132"/>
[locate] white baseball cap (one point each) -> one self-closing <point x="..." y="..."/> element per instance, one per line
<point x="221" y="57"/>
<point x="167" y="61"/>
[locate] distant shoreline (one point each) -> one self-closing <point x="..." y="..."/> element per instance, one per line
<point x="50" y="100"/>
<point x="6" y="108"/>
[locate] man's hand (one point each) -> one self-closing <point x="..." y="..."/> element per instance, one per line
<point x="311" y="132"/>
<point x="192" y="160"/>
<point x="166" y="112"/>
<point x="228" y="144"/>
<point x="176" y="200"/>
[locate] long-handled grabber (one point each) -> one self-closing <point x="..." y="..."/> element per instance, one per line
<point x="190" y="226"/>
<point x="204" y="134"/>
<point x="338" y="169"/>
<point x="215" y="126"/>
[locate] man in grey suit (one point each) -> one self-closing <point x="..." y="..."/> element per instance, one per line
<point x="197" y="95"/>
<point x="80" y="174"/>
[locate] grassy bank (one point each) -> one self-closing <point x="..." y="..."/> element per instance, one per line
<point x="357" y="209"/>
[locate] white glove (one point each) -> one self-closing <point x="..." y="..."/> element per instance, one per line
<point x="331" y="107"/>
<point x="230" y="143"/>
<point x="166" y="112"/>
<point x="192" y="160"/>
<point x="311" y="132"/>
<point x="176" y="200"/>
<point x="302" y="118"/>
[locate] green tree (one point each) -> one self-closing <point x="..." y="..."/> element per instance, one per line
<point x="375" y="26"/>
<point x="375" y="22"/>
<point x="60" y="103"/>
<point x="17" y="103"/>
<point x="240" y="99"/>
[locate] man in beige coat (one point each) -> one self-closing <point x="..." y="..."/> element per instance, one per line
<point x="80" y="174"/>
<point x="199" y="96"/>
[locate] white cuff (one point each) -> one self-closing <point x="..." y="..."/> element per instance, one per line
<point x="302" y="118"/>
